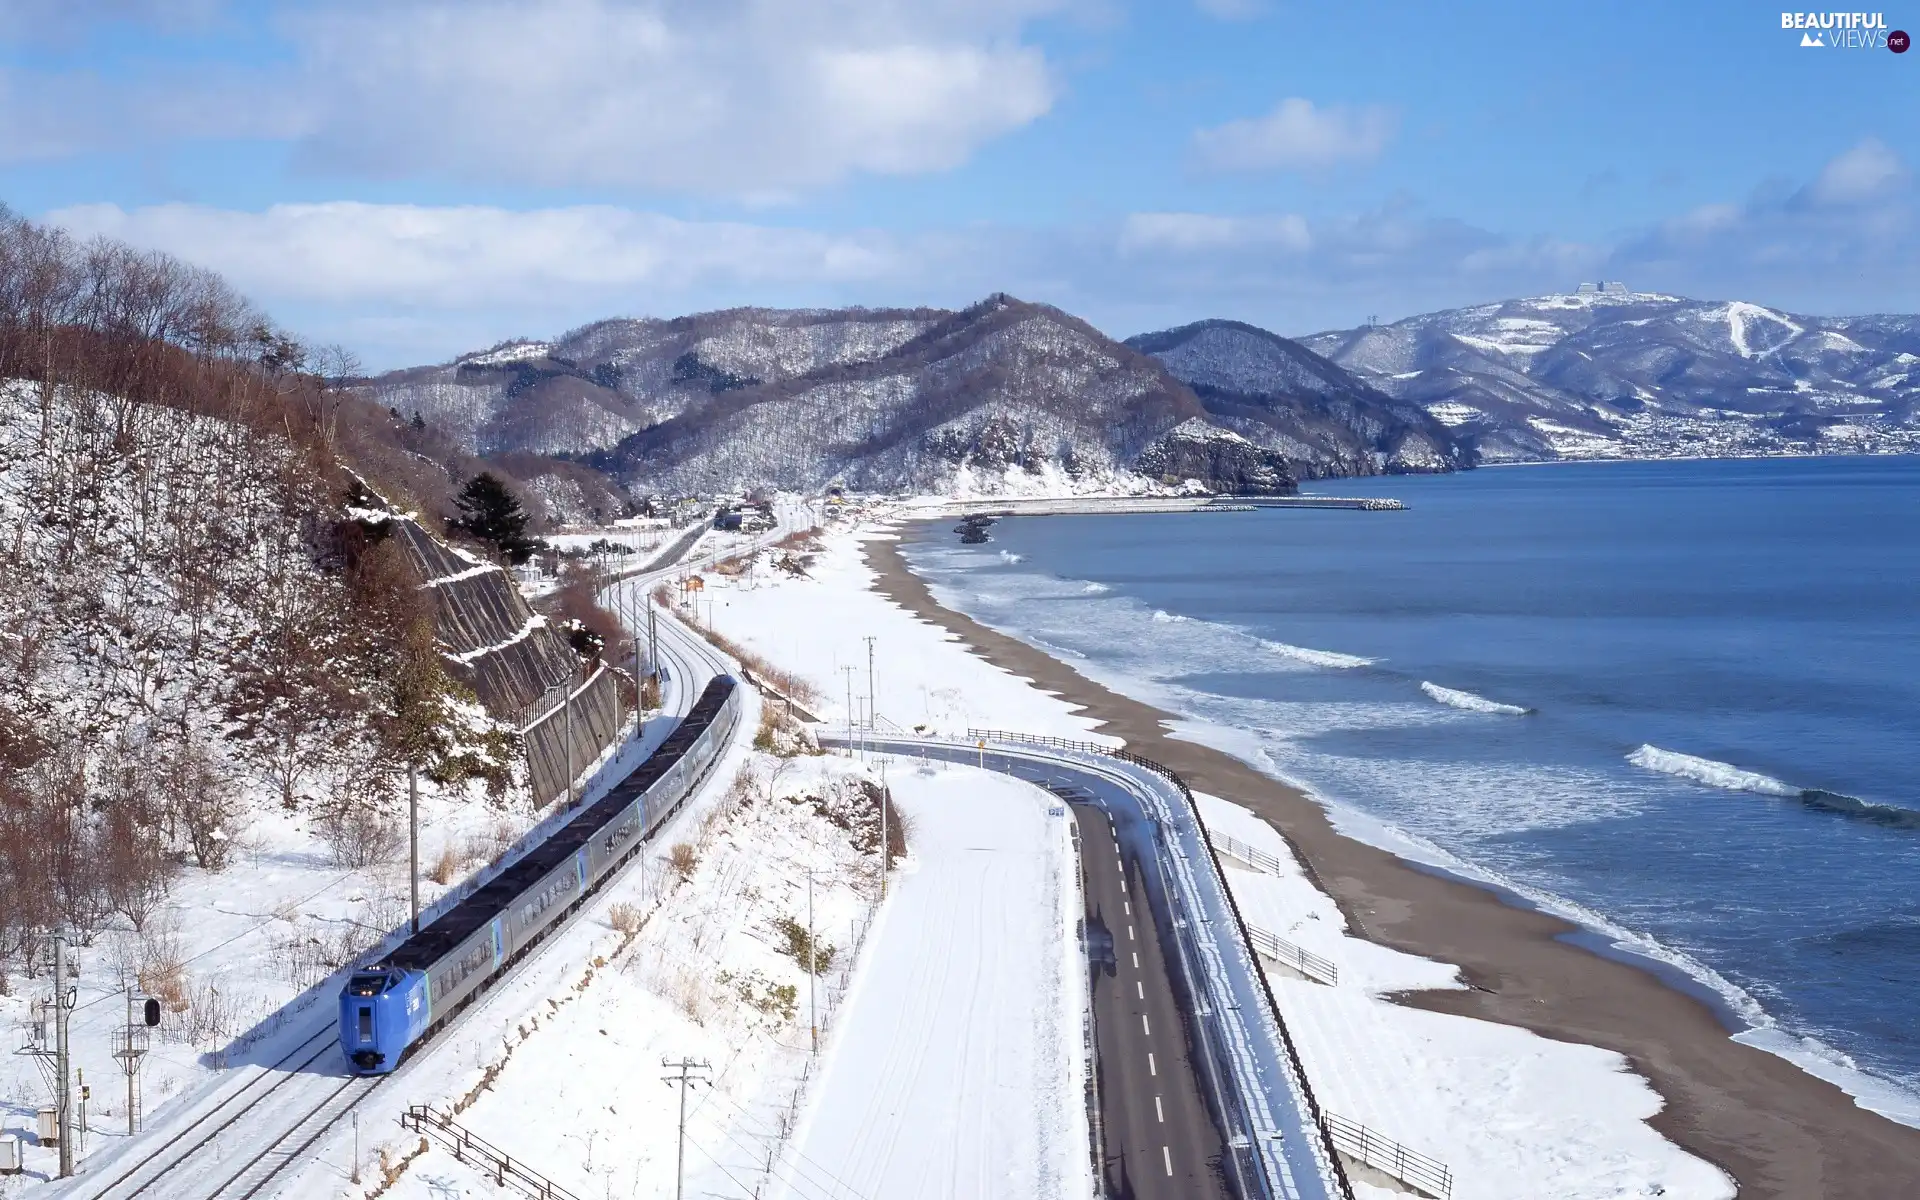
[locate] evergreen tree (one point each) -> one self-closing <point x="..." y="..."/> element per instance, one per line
<point x="490" y="513"/>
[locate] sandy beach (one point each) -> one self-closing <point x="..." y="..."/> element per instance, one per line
<point x="1777" y="1130"/>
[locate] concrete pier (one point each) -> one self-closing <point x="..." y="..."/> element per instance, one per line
<point x="1130" y="505"/>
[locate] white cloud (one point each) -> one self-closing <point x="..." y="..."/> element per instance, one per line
<point x="476" y="257"/>
<point x="1297" y="136"/>
<point x="1868" y="171"/>
<point x="405" y="284"/>
<point x="1232" y="10"/>
<point x="1188" y="232"/>
<point x="747" y="98"/>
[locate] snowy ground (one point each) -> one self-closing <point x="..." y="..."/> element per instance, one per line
<point x="1511" y="1113"/>
<point x="253" y="945"/>
<point x="562" y="1067"/>
<point x="958" y="1063"/>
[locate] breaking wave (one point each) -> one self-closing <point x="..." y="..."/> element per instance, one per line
<point x="1009" y="557"/>
<point x="1455" y="698"/>
<point x="1708" y="772"/>
<point x="1317" y="658"/>
<point x="1723" y="775"/>
<point x="1095" y="589"/>
<point x="1166" y="618"/>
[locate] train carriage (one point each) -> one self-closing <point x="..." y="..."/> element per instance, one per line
<point x="394" y="1003"/>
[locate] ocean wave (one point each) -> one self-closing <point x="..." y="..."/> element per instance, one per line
<point x="1890" y="816"/>
<point x="1723" y="775"/>
<point x="1709" y="772"/>
<point x="1095" y="589"/>
<point x="1455" y="698"/>
<point x="1009" y="557"/>
<point x="1166" y="618"/>
<point x="1317" y="658"/>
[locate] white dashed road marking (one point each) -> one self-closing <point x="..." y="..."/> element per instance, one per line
<point x="1151" y="1069"/>
<point x="1158" y="1111"/>
<point x="1166" y="1156"/>
<point x="1144" y="1027"/>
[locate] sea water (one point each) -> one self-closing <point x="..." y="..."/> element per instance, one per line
<point x="1678" y="700"/>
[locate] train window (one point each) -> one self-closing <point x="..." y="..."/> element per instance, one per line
<point x="366" y="1023"/>
<point x="366" y="985"/>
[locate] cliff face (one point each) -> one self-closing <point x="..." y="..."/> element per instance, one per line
<point x="1283" y="397"/>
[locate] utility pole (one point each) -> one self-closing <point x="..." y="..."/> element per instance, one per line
<point x="872" y="701"/>
<point x="886" y="847"/>
<point x="640" y="692"/>
<point x="413" y="843"/>
<point x="850" y="742"/>
<point x="62" y="1091"/>
<point x="685" y="1079"/>
<point x="813" y="968"/>
<point x="567" y="704"/>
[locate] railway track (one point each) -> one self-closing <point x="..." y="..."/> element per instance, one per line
<point x="242" y="1146"/>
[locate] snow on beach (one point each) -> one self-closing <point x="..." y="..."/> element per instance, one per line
<point x="1570" y="1119"/>
<point x="1513" y="1114"/>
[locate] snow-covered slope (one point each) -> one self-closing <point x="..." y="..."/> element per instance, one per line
<point x="1003" y="397"/>
<point x="589" y="388"/>
<point x="1641" y="374"/>
<point x="1280" y="395"/>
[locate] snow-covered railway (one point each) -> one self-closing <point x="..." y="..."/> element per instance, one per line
<point x="242" y="1140"/>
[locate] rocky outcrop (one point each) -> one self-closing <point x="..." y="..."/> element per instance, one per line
<point x="1218" y="460"/>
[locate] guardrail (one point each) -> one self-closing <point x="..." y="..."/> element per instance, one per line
<point x="1384" y="1154"/>
<point x="467" y="1148"/>
<point x="1287" y="954"/>
<point x="1295" y="1064"/>
<point x="1253" y="856"/>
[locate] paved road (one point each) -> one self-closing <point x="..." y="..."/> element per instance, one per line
<point x="1161" y="1138"/>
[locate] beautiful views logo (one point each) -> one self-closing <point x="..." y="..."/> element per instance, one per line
<point x="1845" y="31"/>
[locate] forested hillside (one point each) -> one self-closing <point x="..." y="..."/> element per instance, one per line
<point x="192" y="625"/>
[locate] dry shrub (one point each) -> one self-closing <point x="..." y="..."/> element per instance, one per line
<point x="360" y="835"/>
<point x="448" y="865"/>
<point x="625" y="919"/>
<point x="489" y="846"/>
<point x="782" y="735"/>
<point x="163" y="965"/>
<point x="212" y="1016"/>
<point x="684" y="860"/>
<point x="687" y="990"/>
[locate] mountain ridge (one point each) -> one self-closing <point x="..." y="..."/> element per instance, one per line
<point x="1013" y="396"/>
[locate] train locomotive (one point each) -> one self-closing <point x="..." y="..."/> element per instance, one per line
<point x="401" y="999"/>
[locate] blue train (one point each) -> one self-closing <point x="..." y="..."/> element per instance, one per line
<point x="403" y="998"/>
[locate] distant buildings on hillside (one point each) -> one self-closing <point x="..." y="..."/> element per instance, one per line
<point x="1606" y="287"/>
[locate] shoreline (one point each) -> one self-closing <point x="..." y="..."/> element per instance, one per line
<point x="1775" y="1129"/>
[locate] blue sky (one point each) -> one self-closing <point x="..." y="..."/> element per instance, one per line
<point x="414" y="178"/>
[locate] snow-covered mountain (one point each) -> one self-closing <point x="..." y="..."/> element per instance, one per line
<point x="1004" y="396"/>
<point x="1612" y="373"/>
<point x="1281" y="395"/>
